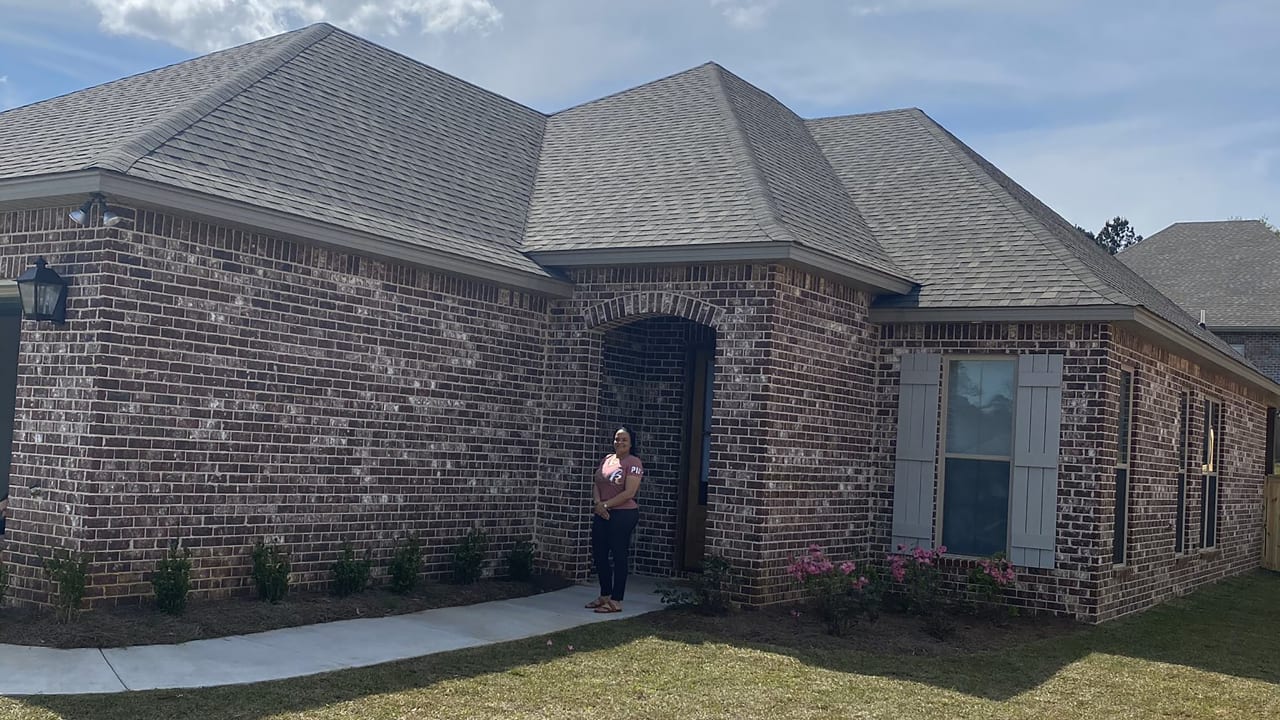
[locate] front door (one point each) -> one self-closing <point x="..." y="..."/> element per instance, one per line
<point x="697" y="452"/>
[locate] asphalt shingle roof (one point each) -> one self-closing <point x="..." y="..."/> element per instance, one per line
<point x="969" y="234"/>
<point x="1229" y="269"/>
<point x="323" y="124"/>
<point x="701" y="157"/>
<point x="317" y="123"/>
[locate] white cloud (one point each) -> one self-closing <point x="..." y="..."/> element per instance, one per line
<point x="6" y="93"/>
<point x="204" y="25"/>
<point x="745" y="14"/>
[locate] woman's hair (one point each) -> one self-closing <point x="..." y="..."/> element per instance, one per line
<point x="635" y="441"/>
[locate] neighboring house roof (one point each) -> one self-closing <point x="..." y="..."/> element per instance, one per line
<point x="1229" y="269"/>
<point x="323" y="125"/>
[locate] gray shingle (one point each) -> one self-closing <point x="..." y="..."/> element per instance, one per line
<point x="1229" y="269"/>
<point x="317" y="123"/>
<point x="698" y="158"/>
<point x="968" y="233"/>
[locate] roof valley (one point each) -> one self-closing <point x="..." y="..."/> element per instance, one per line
<point x="122" y="157"/>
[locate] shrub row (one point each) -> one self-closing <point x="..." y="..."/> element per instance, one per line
<point x="349" y="574"/>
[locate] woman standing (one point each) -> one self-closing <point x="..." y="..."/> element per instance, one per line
<point x="616" y="514"/>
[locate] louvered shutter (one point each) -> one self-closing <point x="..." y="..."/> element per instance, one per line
<point x="913" y="482"/>
<point x="1033" y="496"/>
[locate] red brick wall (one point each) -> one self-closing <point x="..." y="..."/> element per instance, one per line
<point x="820" y="424"/>
<point x="58" y="433"/>
<point x="244" y="386"/>
<point x="1262" y="349"/>
<point x="1152" y="572"/>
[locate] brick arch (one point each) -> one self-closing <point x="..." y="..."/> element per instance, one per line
<point x="636" y="306"/>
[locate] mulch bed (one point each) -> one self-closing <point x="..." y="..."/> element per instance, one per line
<point x="144" y="625"/>
<point x="799" y="627"/>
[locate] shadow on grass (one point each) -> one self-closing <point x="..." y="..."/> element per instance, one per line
<point x="1230" y="628"/>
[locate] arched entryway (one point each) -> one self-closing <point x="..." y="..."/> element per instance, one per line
<point x="658" y="376"/>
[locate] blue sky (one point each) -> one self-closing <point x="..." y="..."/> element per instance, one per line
<point x="1161" y="111"/>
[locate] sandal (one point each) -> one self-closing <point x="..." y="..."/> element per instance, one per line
<point x="609" y="606"/>
<point x="596" y="603"/>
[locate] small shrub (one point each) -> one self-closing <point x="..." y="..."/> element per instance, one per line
<point x="707" y="592"/>
<point x="988" y="581"/>
<point x="270" y="571"/>
<point x="840" y="593"/>
<point x="918" y="574"/>
<point x="350" y="575"/>
<point x="468" y="557"/>
<point x="520" y="561"/>
<point x="70" y="571"/>
<point x="406" y="565"/>
<point x="172" y="580"/>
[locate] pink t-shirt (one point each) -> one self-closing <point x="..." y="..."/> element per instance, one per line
<point x="612" y="478"/>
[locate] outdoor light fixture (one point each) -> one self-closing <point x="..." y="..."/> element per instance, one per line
<point x="80" y="216"/>
<point x="43" y="293"/>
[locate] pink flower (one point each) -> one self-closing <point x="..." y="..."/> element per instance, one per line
<point x="570" y="648"/>
<point x="942" y="549"/>
<point x="549" y="643"/>
<point x="899" y="573"/>
<point x="846" y="567"/>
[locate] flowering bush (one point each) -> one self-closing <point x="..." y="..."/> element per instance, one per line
<point x="839" y="591"/>
<point x="918" y="573"/>
<point x="990" y="579"/>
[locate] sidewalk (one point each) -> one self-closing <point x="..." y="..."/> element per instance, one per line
<point x="293" y="652"/>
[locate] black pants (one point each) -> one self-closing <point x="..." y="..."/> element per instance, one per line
<point x="613" y="536"/>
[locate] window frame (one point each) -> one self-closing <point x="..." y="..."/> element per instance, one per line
<point x="943" y="408"/>
<point x="1185" y="403"/>
<point x="1210" y="470"/>
<point x="1272" y="454"/>
<point x="1123" y="463"/>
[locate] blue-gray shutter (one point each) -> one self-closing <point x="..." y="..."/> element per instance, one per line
<point x="913" y="481"/>
<point x="1033" y="495"/>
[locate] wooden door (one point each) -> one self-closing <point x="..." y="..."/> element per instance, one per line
<point x="1271" y="538"/>
<point x="698" y="454"/>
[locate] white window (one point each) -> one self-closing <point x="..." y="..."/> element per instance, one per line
<point x="978" y="455"/>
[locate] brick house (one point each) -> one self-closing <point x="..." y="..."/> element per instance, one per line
<point x="355" y="297"/>
<point x="1228" y="270"/>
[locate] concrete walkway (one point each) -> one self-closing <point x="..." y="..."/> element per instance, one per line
<point x="293" y="652"/>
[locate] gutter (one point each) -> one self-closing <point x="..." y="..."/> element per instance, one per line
<point x="1138" y="318"/>
<point x="124" y="189"/>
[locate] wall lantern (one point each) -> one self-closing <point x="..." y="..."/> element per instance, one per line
<point x="43" y="293"/>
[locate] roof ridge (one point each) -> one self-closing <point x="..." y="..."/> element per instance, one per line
<point x="123" y="157"/>
<point x="758" y="195"/>
<point x="624" y="91"/>
<point x="965" y="155"/>
<point x="871" y="113"/>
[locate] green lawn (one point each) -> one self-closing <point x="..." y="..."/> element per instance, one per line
<point x="1215" y="654"/>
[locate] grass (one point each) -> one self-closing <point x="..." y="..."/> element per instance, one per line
<point x="1210" y="655"/>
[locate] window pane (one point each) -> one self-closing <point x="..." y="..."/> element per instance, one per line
<point x="1122" y="438"/>
<point x="975" y="509"/>
<point x="980" y="407"/>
